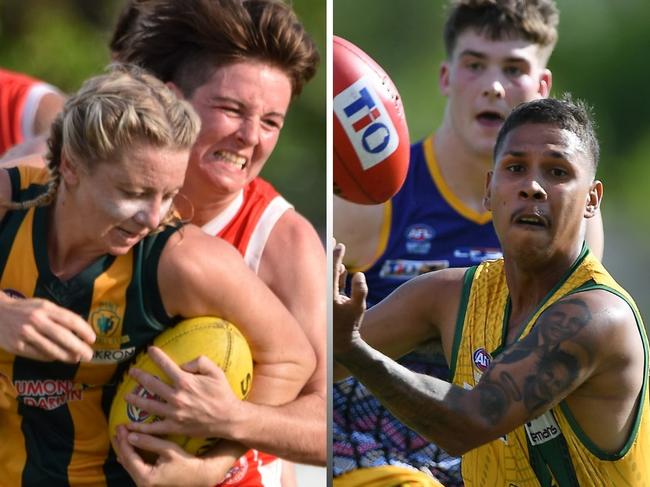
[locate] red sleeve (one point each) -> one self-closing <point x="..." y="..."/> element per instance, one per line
<point x="14" y="88"/>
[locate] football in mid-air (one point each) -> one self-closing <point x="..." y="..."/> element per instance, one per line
<point x="371" y="139"/>
<point x="213" y="337"/>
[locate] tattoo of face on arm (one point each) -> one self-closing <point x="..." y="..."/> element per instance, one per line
<point x="554" y="368"/>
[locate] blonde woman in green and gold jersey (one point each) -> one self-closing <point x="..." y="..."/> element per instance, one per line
<point x="93" y="266"/>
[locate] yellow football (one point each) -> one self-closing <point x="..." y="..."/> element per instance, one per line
<point x="213" y="337"/>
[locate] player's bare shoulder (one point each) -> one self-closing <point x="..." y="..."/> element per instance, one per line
<point x="594" y="318"/>
<point x="611" y="328"/>
<point x="598" y="331"/>
<point x="291" y="229"/>
<point x="293" y="247"/>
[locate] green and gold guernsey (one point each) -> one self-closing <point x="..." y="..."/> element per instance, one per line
<point x="53" y="416"/>
<point x="551" y="450"/>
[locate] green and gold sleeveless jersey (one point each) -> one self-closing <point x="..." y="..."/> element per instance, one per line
<point x="53" y="416"/>
<point x="551" y="450"/>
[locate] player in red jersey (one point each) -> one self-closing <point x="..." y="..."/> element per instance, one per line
<point x="241" y="81"/>
<point x="27" y="108"/>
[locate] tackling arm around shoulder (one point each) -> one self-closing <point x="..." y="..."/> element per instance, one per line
<point x="202" y="275"/>
<point x="529" y="377"/>
<point x="294" y="430"/>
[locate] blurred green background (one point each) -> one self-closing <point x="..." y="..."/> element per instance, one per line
<point x="601" y="57"/>
<point x="65" y="41"/>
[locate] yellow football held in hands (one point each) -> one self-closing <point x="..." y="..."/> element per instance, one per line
<point x="213" y="337"/>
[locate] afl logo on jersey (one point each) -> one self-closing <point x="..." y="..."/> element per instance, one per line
<point x="12" y="293"/>
<point x="481" y="359"/>
<point x="418" y="238"/>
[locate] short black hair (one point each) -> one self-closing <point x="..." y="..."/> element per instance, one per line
<point x="574" y="116"/>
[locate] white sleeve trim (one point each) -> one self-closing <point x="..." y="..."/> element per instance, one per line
<point x="263" y="229"/>
<point x="214" y="226"/>
<point x="33" y="99"/>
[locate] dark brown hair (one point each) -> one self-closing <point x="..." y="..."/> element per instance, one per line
<point x="533" y="20"/>
<point x="183" y="41"/>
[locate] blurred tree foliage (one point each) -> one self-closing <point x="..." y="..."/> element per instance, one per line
<point x="65" y="41"/>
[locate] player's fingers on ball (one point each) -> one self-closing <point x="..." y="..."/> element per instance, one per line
<point x="128" y="457"/>
<point x="162" y="427"/>
<point x="166" y="364"/>
<point x="204" y="366"/>
<point x="123" y="449"/>
<point x="151" y="383"/>
<point x="151" y="406"/>
<point x="153" y="444"/>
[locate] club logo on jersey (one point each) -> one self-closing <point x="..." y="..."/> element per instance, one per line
<point x="474" y="255"/>
<point x="366" y="122"/>
<point x="403" y="269"/>
<point x="542" y="429"/>
<point x="418" y="238"/>
<point x="135" y="413"/>
<point x="12" y="293"/>
<point x="105" y="320"/>
<point x="48" y="394"/>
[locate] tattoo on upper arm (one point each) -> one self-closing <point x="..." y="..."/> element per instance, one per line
<point x="554" y="368"/>
<point x="556" y="372"/>
<point x="493" y="402"/>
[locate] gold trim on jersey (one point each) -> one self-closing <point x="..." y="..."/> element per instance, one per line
<point x="445" y="191"/>
<point x="483" y="326"/>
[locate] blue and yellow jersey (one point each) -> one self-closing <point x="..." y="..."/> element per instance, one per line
<point x="53" y="416"/>
<point x="552" y="449"/>
<point x="427" y="227"/>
